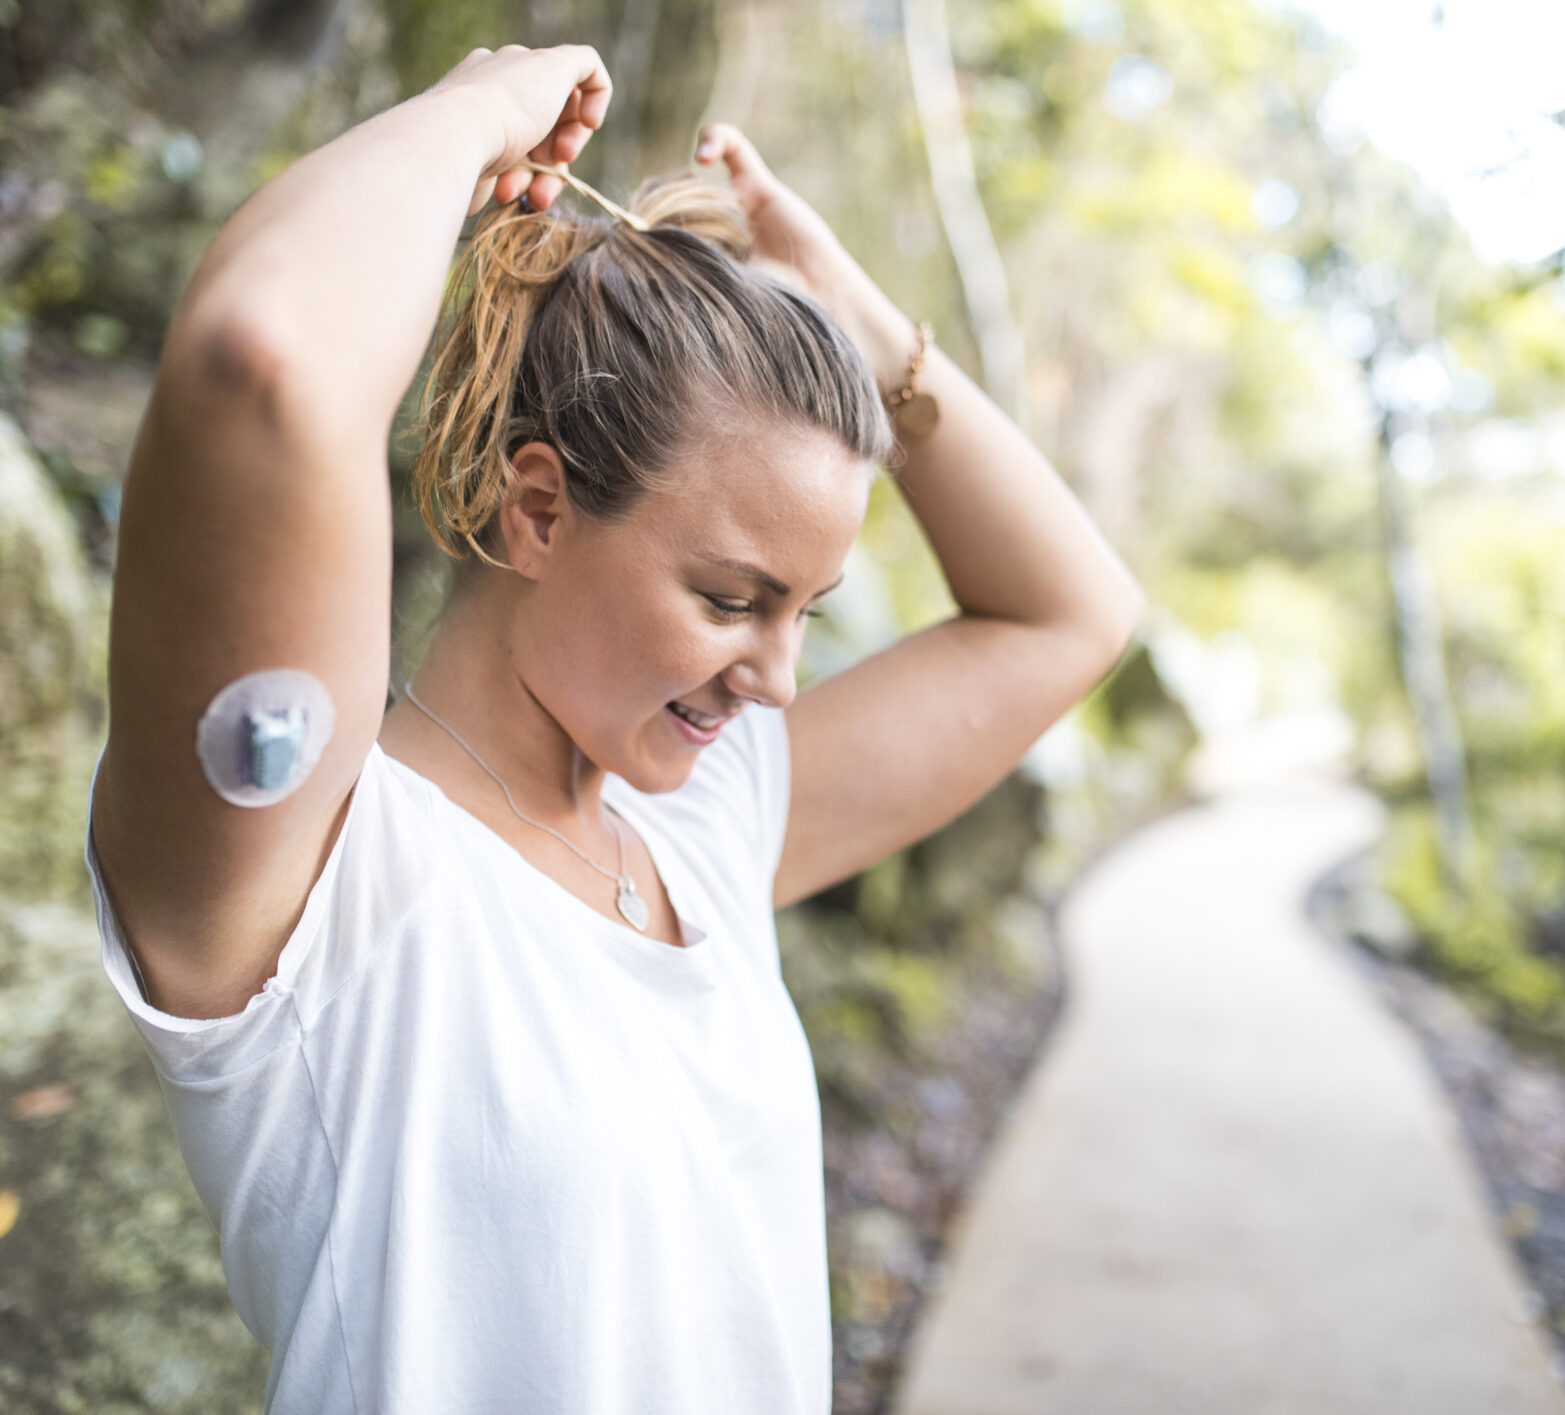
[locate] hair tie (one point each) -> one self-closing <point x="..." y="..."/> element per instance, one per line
<point x="565" y="175"/>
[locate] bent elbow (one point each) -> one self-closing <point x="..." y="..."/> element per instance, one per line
<point x="225" y="355"/>
<point x="1124" y="625"/>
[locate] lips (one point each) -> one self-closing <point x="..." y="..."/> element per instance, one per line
<point x="695" y="736"/>
<point x="710" y="721"/>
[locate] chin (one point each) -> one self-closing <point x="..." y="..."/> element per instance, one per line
<point x="653" y="781"/>
<point x="652" y="767"/>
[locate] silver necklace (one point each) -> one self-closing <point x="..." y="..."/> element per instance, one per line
<point x="630" y="904"/>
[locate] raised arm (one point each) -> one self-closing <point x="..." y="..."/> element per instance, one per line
<point x="894" y="747"/>
<point x="339" y="263"/>
<point x="889" y="750"/>
<point x="255" y="527"/>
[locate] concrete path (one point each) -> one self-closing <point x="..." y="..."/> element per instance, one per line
<point x="1232" y="1186"/>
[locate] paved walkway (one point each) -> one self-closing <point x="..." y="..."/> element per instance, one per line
<point x="1232" y="1187"/>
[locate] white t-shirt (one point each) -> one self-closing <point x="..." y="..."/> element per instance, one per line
<point x="477" y="1149"/>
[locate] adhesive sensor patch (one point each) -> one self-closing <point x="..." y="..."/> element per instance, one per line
<point x="263" y="734"/>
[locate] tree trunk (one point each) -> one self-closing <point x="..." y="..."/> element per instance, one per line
<point x="961" y="209"/>
<point x="1417" y="614"/>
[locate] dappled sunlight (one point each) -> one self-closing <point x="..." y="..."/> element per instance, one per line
<point x="1277" y="288"/>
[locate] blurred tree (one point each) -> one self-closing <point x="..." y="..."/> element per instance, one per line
<point x="1261" y="353"/>
<point x="955" y="186"/>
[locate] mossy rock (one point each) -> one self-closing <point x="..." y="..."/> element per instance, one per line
<point x="53" y="635"/>
<point x="111" y="1290"/>
<point x="919" y="898"/>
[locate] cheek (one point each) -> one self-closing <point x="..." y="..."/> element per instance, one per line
<point x="627" y="651"/>
<point x="576" y="656"/>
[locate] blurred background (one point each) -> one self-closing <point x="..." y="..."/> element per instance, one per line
<point x="1277" y="286"/>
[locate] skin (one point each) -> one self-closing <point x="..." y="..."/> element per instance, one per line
<point x="256" y="531"/>
<point x="559" y="669"/>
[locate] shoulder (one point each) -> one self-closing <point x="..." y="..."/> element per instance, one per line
<point x="375" y="865"/>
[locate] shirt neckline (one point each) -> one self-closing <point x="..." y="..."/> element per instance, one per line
<point x="616" y="792"/>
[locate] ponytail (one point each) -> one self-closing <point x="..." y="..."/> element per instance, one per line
<point x="509" y="268"/>
<point x="610" y="344"/>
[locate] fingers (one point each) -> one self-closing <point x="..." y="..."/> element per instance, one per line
<point x="567" y="141"/>
<point x="542" y="187"/>
<point x="538" y="188"/>
<point x="583" y="111"/>
<point x="593" y="87"/>
<point x="725" y="141"/>
<point x="542" y="191"/>
<point x="510" y="185"/>
<point x="573" y="70"/>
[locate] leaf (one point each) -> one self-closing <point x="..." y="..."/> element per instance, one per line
<point x="10" y="1207"/>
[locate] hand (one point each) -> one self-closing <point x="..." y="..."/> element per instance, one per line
<point x="547" y="101"/>
<point x="791" y="239"/>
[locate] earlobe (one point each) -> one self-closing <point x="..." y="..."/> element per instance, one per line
<point x="527" y="535"/>
<point x="535" y="502"/>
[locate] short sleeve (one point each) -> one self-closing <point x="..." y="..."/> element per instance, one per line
<point x="734" y="805"/>
<point x="199" y="1048"/>
<point x="772" y="767"/>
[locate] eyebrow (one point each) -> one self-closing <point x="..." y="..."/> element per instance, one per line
<point x="771" y="582"/>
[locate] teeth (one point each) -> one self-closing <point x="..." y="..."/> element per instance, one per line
<point x="700" y="719"/>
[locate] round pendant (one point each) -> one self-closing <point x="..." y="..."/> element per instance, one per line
<point x="918" y="415"/>
<point x="633" y="906"/>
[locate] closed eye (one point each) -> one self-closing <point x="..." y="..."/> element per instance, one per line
<point x="735" y="610"/>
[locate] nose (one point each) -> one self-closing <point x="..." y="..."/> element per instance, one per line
<point x="767" y="673"/>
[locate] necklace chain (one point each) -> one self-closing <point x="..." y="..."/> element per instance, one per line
<point x="630" y="904"/>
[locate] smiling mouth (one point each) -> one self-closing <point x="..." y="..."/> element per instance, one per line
<point x="703" y="721"/>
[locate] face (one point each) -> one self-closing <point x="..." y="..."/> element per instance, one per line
<point x="657" y="609"/>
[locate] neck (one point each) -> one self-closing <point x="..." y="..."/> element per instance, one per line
<point x="472" y="676"/>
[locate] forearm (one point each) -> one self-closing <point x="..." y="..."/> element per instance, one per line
<point x="338" y="264"/>
<point x="1012" y="539"/>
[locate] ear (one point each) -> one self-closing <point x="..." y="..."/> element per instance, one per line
<point x="536" y="508"/>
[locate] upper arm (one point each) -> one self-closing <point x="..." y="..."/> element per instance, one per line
<point x="250" y="538"/>
<point x="889" y="750"/>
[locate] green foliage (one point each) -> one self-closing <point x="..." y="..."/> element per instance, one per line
<point x="101" y="335"/>
<point x="429" y="37"/>
<point x="910" y="993"/>
<point x="1252" y="445"/>
<point x="878" y="966"/>
<point x="1501" y="568"/>
<point x="1514" y="331"/>
<point x="111" y="177"/>
<point x="1479" y="939"/>
<point x="113" y="1282"/>
<point x="1221" y="435"/>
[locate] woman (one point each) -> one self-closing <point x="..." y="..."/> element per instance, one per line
<point x="468" y="1012"/>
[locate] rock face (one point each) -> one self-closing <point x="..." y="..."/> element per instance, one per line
<point x="111" y="1293"/>
<point x="53" y="631"/>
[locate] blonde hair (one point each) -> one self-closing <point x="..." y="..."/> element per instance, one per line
<point x="613" y="345"/>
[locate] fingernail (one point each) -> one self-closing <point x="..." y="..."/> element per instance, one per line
<point x="707" y="151"/>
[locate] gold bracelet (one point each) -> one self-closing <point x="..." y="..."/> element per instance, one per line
<point x="914" y="411"/>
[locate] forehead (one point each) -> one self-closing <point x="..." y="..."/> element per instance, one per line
<point x="765" y="493"/>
